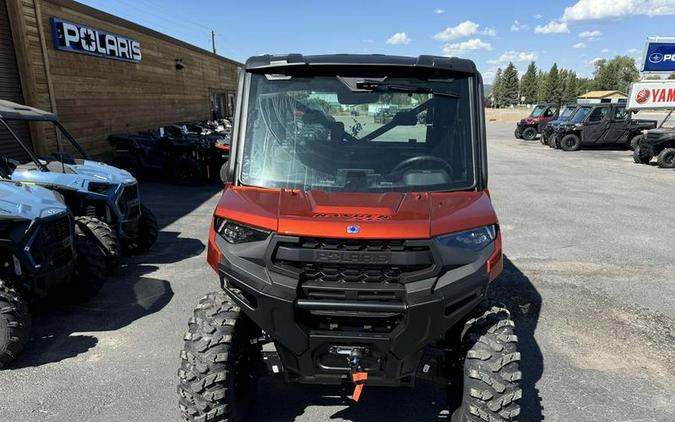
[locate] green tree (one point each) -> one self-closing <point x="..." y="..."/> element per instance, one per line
<point x="510" y="85"/>
<point x="570" y="93"/>
<point x="541" y="86"/>
<point x="616" y="74"/>
<point x="671" y="76"/>
<point x="497" y="89"/>
<point x="554" y="86"/>
<point x="528" y="85"/>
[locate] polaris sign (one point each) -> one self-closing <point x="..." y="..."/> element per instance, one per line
<point x="659" y="57"/>
<point x="76" y="38"/>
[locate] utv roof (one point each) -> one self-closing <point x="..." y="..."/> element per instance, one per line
<point x="280" y="62"/>
<point x="14" y="111"/>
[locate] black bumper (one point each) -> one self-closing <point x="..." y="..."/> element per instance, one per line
<point x="417" y="312"/>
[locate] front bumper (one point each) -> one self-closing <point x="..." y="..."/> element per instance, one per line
<point x="394" y="322"/>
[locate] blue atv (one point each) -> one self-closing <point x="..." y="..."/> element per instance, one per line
<point x="43" y="250"/>
<point x="106" y="198"/>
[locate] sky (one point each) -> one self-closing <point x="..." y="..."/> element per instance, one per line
<point x="571" y="33"/>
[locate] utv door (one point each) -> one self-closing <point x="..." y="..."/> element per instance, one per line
<point x="618" y="127"/>
<point x="596" y="126"/>
<point x="549" y="115"/>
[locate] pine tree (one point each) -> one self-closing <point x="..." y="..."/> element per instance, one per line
<point x="497" y="89"/>
<point x="671" y="76"/>
<point x="570" y="93"/>
<point x="510" y="85"/>
<point x="528" y="85"/>
<point x="541" y="87"/>
<point x="554" y="87"/>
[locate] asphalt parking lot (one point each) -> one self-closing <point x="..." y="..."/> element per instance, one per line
<point x="589" y="275"/>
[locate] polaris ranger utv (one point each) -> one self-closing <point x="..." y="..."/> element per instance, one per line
<point x="357" y="259"/>
<point x="42" y="251"/>
<point x="659" y="143"/>
<point x="190" y="157"/>
<point x="565" y="115"/>
<point x="108" y="196"/>
<point x="529" y="127"/>
<point x="600" y="124"/>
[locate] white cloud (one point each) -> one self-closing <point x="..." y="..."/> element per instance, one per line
<point x="464" y="29"/>
<point x="591" y="35"/>
<point x="517" y="26"/>
<point x="632" y="51"/>
<point x="464" y="46"/>
<point x="579" y="45"/>
<point x="553" y="27"/>
<point x="538" y="16"/>
<point x="595" y="60"/>
<point x="515" y="57"/>
<point x="490" y="32"/>
<point x="399" y="38"/>
<point x="439" y="11"/>
<point x="603" y="9"/>
<point x="605" y="50"/>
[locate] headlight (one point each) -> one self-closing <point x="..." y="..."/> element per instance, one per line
<point x="238" y="233"/>
<point x="100" y="188"/>
<point x="474" y="239"/>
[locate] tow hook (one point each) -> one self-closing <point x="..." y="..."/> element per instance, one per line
<point x="359" y="376"/>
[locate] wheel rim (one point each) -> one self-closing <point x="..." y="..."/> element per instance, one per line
<point x="570" y="143"/>
<point x="669" y="158"/>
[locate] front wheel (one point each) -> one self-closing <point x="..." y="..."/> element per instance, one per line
<point x="90" y="270"/>
<point x="639" y="158"/>
<point x="517" y="134"/>
<point x="14" y="324"/>
<point x="219" y="371"/>
<point x="530" y="134"/>
<point x="570" y="143"/>
<point x="148" y="229"/>
<point x="635" y="141"/>
<point x="104" y="237"/>
<point x="666" y="158"/>
<point x="491" y="388"/>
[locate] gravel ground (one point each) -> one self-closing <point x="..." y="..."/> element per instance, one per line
<point x="589" y="276"/>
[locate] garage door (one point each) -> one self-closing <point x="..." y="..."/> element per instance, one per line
<point x="10" y="89"/>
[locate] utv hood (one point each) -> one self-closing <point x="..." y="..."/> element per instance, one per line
<point x="357" y="215"/>
<point x="76" y="176"/>
<point x="661" y="134"/>
<point x="27" y="202"/>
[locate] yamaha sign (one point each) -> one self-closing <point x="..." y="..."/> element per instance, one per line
<point x="76" y="38"/>
<point x="659" y="56"/>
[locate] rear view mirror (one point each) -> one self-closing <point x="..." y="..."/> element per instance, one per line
<point x="405" y="118"/>
<point x="356" y="98"/>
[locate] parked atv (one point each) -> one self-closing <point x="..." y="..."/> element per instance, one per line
<point x="600" y="124"/>
<point x="106" y="195"/>
<point x="659" y="143"/>
<point x="533" y="125"/>
<point x="42" y="251"/>
<point x="189" y="157"/>
<point x="565" y="115"/>
<point x="355" y="258"/>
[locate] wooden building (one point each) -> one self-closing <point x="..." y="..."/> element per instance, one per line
<point x="598" y="97"/>
<point x="102" y="74"/>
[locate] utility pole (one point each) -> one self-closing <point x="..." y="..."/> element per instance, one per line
<point x="213" y="41"/>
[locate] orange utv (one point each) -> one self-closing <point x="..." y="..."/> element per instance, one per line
<point x="351" y="250"/>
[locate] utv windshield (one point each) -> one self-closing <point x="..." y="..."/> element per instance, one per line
<point x="538" y="111"/>
<point x="580" y="115"/>
<point x="567" y="113"/>
<point x="358" y="134"/>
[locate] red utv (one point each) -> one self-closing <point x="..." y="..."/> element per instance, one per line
<point x="357" y="257"/>
<point x="533" y="125"/>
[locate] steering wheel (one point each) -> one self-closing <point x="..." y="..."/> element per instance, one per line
<point x="413" y="160"/>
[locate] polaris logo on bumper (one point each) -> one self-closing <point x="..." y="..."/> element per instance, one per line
<point x="351" y="257"/>
<point x="76" y="38"/>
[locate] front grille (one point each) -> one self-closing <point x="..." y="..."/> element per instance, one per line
<point x="367" y="275"/>
<point x="49" y="248"/>
<point x="128" y="201"/>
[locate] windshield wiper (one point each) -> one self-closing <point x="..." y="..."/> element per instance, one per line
<point x="386" y="86"/>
